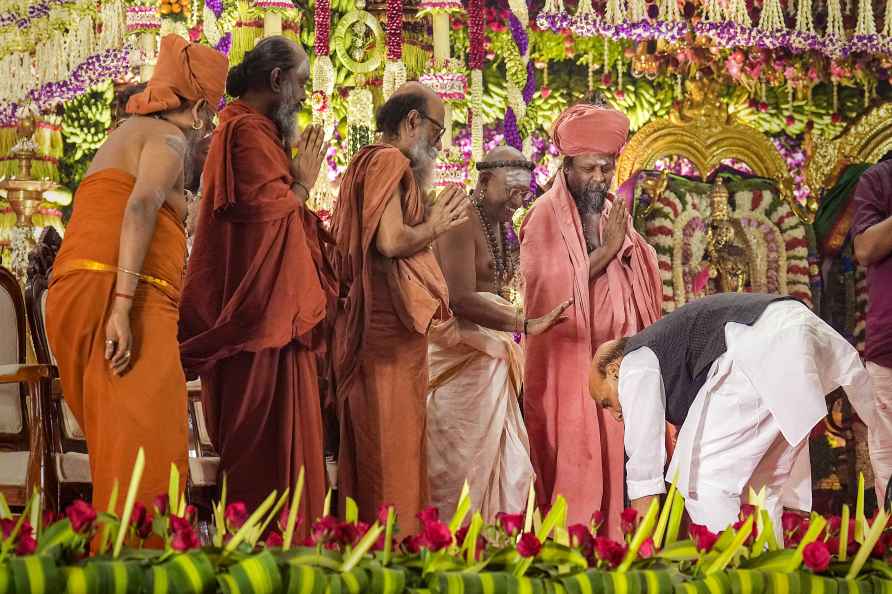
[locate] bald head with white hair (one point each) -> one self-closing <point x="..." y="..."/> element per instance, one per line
<point x="413" y="121"/>
<point x="504" y="183"/>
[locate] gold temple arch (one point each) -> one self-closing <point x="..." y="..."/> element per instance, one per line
<point x="866" y="140"/>
<point x="706" y="134"/>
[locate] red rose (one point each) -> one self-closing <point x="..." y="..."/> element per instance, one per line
<point x="161" y="505"/>
<point x="609" y="551"/>
<point x="580" y="537"/>
<point x="185" y="540"/>
<point x="461" y="534"/>
<point x="345" y="534"/>
<point x="236" y="514"/>
<point x="383" y="511"/>
<point x="274" y="540"/>
<point x="26" y="546"/>
<point x="598" y="519"/>
<point x="50" y="517"/>
<point x="703" y="539"/>
<point x="324" y="528"/>
<point x="512" y="524"/>
<point x="628" y="518"/>
<point x="178" y="524"/>
<point x="428" y="515"/>
<point x="437" y="535"/>
<point x="816" y="556"/>
<point x="81" y="515"/>
<point x="647" y="549"/>
<point x="790" y="521"/>
<point x="529" y="545"/>
<point x="412" y="544"/>
<point x="7" y="526"/>
<point x="141" y="520"/>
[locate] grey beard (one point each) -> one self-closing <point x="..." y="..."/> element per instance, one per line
<point x="285" y="115"/>
<point x="591" y="201"/>
<point x="423" y="156"/>
<point x="286" y="123"/>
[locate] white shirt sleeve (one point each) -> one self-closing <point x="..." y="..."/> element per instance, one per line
<point x="643" y="400"/>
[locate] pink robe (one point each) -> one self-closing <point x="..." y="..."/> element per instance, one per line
<point x="577" y="449"/>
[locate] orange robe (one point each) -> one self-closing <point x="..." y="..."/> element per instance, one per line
<point x="576" y="447"/>
<point x="254" y="299"/>
<point x="381" y="369"/>
<point x="146" y="407"/>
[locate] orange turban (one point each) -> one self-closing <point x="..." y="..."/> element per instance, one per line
<point x="183" y="71"/>
<point x="588" y="129"/>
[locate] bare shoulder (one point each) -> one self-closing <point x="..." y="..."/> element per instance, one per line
<point x="160" y="134"/>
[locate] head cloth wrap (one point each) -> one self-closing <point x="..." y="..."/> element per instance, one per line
<point x="589" y="129"/>
<point x="183" y="71"/>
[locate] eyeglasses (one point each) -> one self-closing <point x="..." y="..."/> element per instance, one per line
<point x="441" y="129"/>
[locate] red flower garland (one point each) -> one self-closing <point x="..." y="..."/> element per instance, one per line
<point x="475" y="34"/>
<point x="394" y="30"/>
<point x="322" y="18"/>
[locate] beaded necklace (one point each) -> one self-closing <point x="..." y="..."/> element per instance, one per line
<point x="500" y="261"/>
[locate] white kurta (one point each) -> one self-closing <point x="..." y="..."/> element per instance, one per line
<point x="749" y="422"/>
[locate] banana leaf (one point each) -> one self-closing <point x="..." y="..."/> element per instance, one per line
<point x="56" y="537"/>
<point x="303" y="579"/>
<point x="6" y="584"/>
<point x="254" y="575"/>
<point x="881" y="585"/>
<point x="745" y="581"/>
<point x="383" y="580"/>
<point x="105" y="577"/>
<point x="611" y="582"/>
<point x="354" y="581"/>
<point x="35" y="574"/>
<point x="717" y="583"/>
<point x="468" y="583"/>
<point x="190" y="573"/>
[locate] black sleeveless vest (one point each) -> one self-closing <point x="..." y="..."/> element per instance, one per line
<point x="689" y="339"/>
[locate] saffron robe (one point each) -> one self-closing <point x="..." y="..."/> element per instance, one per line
<point x="385" y="309"/>
<point x="145" y="407"/>
<point x="576" y="447"/>
<point x="475" y="430"/>
<point x="255" y="292"/>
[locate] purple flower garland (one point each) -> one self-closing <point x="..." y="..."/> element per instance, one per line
<point x="98" y="68"/>
<point x="519" y="34"/>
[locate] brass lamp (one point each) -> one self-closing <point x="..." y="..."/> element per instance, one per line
<point x="24" y="193"/>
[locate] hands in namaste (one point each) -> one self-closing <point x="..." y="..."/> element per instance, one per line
<point x="311" y="149"/>
<point x="449" y="210"/>
<point x="554" y="317"/>
<point x="615" y="231"/>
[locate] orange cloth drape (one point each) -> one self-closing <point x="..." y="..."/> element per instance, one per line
<point x="146" y="407"/>
<point x="577" y="448"/>
<point x="254" y="301"/>
<point x="381" y="366"/>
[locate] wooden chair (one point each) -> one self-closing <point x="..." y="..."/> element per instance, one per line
<point x="68" y="468"/>
<point x="204" y="461"/>
<point x="21" y="448"/>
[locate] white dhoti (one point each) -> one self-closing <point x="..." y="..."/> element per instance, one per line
<point x="474" y="427"/>
<point x="749" y="423"/>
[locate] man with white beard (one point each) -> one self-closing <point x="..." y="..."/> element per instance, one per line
<point x="256" y="288"/>
<point x="392" y="290"/>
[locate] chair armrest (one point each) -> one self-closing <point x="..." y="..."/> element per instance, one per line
<point x="14" y="374"/>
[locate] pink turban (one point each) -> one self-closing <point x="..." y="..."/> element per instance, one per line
<point x="587" y="129"/>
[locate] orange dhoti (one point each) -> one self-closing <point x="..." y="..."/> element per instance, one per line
<point x="380" y="359"/>
<point x="146" y="407"/>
